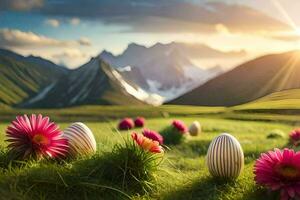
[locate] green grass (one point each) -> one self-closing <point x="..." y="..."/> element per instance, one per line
<point x="286" y="101"/>
<point x="106" y="113"/>
<point x="182" y="175"/>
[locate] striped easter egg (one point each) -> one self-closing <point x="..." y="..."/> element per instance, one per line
<point x="195" y="128"/>
<point x="81" y="140"/>
<point x="225" y="157"/>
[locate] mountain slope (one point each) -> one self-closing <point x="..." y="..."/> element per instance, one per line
<point x="34" y="60"/>
<point x="21" y="79"/>
<point x="165" y="69"/>
<point x="248" y="81"/>
<point x="134" y="76"/>
<point x="93" y="83"/>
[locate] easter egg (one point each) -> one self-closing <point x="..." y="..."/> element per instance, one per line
<point x="80" y="139"/>
<point x="195" y="128"/>
<point x="225" y="157"/>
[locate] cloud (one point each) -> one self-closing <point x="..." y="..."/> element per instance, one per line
<point x="70" y="53"/>
<point x="20" y="5"/>
<point x="52" y="22"/>
<point x="200" y="51"/>
<point x="74" y="21"/>
<point x="84" y="41"/>
<point x="70" y="57"/>
<point x="16" y="38"/>
<point x="167" y="15"/>
<point x="290" y="37"/>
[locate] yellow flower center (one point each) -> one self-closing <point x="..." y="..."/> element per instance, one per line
<point x="147" y="144"/>
<point x="289" y="172"/>
<point x="40" y="139"/>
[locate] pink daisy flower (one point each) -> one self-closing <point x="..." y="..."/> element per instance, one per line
<point x="126" y="124"/>
<point x="146" y="143"/>
<point x="153" y="135"/>
<point x="180" y="126"/>
<point x="139" y="122"/>
<point x="279" y="170"/>
<point x="295" y="137"/>
<point x="37" y="137"/>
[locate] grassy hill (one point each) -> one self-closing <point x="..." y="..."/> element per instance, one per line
<point x="20" y="80"/>
<point x="248" y="82"/>
<point x="283" y="100"/>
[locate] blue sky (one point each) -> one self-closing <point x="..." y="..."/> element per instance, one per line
<point x="69" y="32"/>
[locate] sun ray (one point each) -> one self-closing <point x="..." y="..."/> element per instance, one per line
<point x="282" y="77"/>
<point x="285" y="15"/>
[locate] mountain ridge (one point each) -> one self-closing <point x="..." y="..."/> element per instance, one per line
<point x="247" y="82"/>
<point x="94" y="83"/>
<point x="165" y="68"/>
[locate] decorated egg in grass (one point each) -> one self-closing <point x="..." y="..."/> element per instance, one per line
<point x="195" y="128"/>
<point x="225" y="157"/>
<point x="81" y="140"/>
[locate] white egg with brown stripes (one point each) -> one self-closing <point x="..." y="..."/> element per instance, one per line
<point x="81" y="140"/>
<point x="195" y="128"/>
<point x="225" y="157"/>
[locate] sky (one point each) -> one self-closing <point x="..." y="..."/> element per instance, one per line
<point x="70" y="32"/>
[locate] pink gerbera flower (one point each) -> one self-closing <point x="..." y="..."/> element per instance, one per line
<point x="146" y="143"/>
<point x="35" y="137"/>
<point x="126" y="124"/>
<point x="295" y="137"/>
<point x="153" y="135"/>
<point x="279" y="171"/>
<point x="139" y="122"/>
<point x="180" y="126"/>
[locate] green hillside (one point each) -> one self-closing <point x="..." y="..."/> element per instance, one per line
<point x="20" y="80"/>
<point x="248" y="82"/>
<point x="286" y="99"/>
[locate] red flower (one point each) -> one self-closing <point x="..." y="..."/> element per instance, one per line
<point x="295" y="136"/>
<point x="146" y="143"/>
<point x="153" y="135"/>
<point x="139" y="122"/>
<point x="36" y="136"/>
<point x="279" y="170"/>
<point x="126" y="124"/>
<point x="180" y="126"/>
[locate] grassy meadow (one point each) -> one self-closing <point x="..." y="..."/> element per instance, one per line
<point x="183" y="173"/>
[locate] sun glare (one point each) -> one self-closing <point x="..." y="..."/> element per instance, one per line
<point x="297" y="31"/>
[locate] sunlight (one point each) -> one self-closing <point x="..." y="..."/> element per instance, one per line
<point x="288" y="20"/>
<point x="285" y="15"/>
<point x="282" y="78"/>
<point x="297" y="31"/>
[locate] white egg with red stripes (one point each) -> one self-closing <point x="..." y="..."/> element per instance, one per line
<point x="225" y="157"/>
<point x="81" y="140"/>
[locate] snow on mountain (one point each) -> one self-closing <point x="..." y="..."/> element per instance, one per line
<point x="42" y="94"/>
<point x="125" y="69"/>
<point x="162" y="69"/>
<point x="139" y="93"/>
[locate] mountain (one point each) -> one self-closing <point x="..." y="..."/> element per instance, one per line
<point x="165" y="69"/>
<point x="34" y="60"/>
<point x="247" y="82"/>
<point x="134" y="76"/>
<point x="93" y="83"/>
<point x="23" y="77"/>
